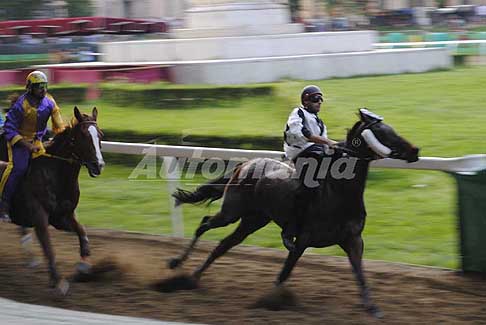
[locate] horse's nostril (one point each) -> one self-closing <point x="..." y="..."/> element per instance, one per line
<point x="413" y="156"/>
<point x="412" y="160"/>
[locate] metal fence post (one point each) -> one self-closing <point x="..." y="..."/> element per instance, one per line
<point x="170" y="166"/>
<point x="471" y="194"/>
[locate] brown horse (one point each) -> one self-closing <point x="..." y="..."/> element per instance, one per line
<point x="333" y="215"/>
<point x="49" y="193"/>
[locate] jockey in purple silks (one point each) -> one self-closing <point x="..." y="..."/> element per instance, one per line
<point x="25" y="125"/>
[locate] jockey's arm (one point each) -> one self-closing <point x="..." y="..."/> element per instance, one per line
<point x="296" y="131"/>
<point x="300" y="132"/>
<point x="12" y="124"/>
<point x="321" y="140"/>
<point x="58" y="124"/>
<point x="14" y="118"/>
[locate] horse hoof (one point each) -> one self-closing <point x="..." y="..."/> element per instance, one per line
<point x="62" y="287"/>
<point x="84" y="268"/>
<point x="375" y="311"/>
<point x="174" y="263"/>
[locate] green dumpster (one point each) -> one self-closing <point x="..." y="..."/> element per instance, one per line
<point x="472" y="220"/>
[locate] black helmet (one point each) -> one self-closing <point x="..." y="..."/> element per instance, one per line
<point x="309" y="91"/>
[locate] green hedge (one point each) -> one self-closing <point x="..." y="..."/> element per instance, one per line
<point x="162" y="95"/>
<point x="23" y="57"/>
<point x="72" y="94"/>
<point x="8" y="65"/>
<point x="243" y="142"/>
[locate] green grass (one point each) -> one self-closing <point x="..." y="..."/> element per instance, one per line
<point x="411" y="214"/>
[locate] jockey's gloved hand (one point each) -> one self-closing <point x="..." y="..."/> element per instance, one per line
<point x="32" y="148"/>
<point x="332" y="143"/>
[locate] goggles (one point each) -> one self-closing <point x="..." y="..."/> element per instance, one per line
<point x="316" y="98"/>
<point x="40" y="85"/>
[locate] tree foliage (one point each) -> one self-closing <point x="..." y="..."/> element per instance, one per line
<point x="31" y="9"/>
<point x="294" y="6"/>
<point x="79" y="8"/>
<point x="19" y="9"/>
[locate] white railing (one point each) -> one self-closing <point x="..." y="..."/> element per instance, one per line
<point x="467" y="164"/>
<point x="451" y="45"/>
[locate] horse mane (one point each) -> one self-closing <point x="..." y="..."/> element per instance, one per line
<point x="353" y="130"/>
<point x="59" y="140"/>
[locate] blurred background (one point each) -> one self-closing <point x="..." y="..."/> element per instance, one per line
<point x="226" y="74"/>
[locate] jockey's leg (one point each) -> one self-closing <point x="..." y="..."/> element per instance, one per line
<point x="17" y="167"/>
<point x="307" y="168"/>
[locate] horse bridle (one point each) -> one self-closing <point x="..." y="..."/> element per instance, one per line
<point x="356" y="153"/>
<point x="74" y="155"/>
<point x="74" y="158"/>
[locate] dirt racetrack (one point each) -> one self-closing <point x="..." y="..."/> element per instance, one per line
<point x="324" y="286"/>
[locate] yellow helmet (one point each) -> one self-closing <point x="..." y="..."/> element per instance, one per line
<point x="35" y="77"/>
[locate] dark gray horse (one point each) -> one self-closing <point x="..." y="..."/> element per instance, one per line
<point x="335" y="214"/>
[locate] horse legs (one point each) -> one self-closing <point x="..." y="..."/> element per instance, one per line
<point x="354" y="249"/>
<point x="75" y="226"/>
<point x="26" y="243"/>
<point x="244" y="229"/>
<point x="45" y="241"/>
<point x="69" y="223"/>
<point x="291" y="260"/>
<point x="42" y="232"/>
<point x="207" y="223"/>
<point x="84" y="251"/>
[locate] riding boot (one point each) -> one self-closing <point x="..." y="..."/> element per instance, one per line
<point x="4" y="212"/>
<point x="290" y="231"/>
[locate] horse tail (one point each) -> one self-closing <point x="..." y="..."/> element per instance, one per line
<point x="211" y="191"/>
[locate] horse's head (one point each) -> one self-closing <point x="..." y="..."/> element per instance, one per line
<point x="86" y="140"/>
<point x="371" y="138"/>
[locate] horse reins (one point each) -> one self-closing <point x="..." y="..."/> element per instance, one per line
<point x="69" y="160"/>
